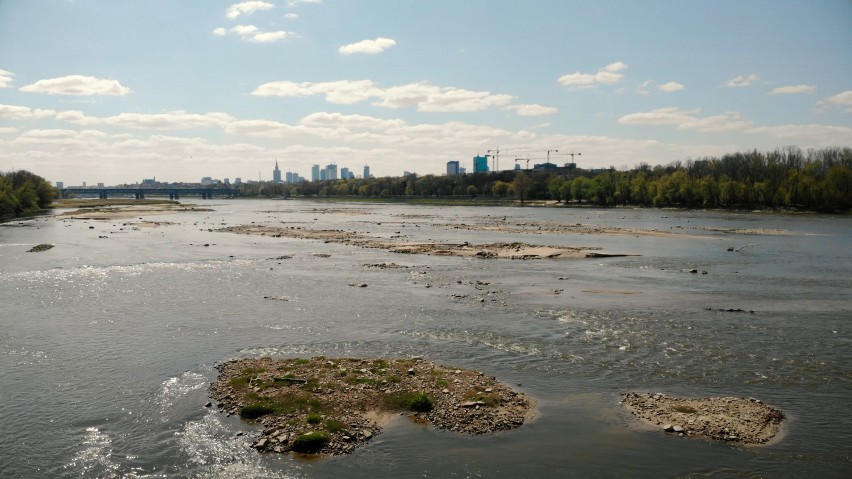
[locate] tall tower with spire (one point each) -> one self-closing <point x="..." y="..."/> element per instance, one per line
<point x="276" y="173"/>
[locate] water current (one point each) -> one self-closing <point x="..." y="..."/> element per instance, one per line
<point x="108" y="341"/>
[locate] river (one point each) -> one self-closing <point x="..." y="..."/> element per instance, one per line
<point x="108" y="341"/>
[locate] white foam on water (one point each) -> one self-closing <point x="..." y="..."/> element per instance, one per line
<point x="213" y="451"/>
<point x="175" y="388"/>
<point x="95" y="459"/>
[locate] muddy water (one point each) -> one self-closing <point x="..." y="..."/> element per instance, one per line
<point x="108" y="340"/>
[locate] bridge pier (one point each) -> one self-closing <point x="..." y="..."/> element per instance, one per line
<point x="171" y="196"/>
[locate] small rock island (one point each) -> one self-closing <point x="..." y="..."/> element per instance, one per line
<point x="334" y="405"/>
<point x="746" y="421"/>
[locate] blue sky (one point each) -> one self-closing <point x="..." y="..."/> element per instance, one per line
<point x="117" y="91"/>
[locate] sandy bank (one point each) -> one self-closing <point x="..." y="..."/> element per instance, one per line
<point x="521" y="251"/>
<point x="130" y="211"/>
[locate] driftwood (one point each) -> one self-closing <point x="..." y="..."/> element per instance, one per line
<point x="737" y="250"/>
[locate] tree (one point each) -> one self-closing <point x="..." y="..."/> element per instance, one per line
<point x="521" y="185"/>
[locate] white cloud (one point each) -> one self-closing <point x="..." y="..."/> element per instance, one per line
<point x="793" y="89"/>
<point x="371" y="47"/>
<point x="605" y="76"/>
<point x="7" y="130"/>
<point x="238" y="9"/>
<point x="174" y="120"/>
<point x="253" y="34"/>
<point x="814" y="134"/>
<point x="291" y="16"/>
<point x="843" y="100"/>
<point x="671" y="86"/>
<point x="532" y="109"/>
<point x="660" y="116"/>
<point x="425" y="97"/>
<point x="78" y="85"/>
<point x="742" y="81"/>
<point x="687" y="120"/>
<point x="5" y="79"/>
<point x="431" y="98"/>
<point x="339" y="120"/>
<point x="295" y="3"/>
<point x="13" y="112"/>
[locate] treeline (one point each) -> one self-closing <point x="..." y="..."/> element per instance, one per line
<point x="22" y="192"/>
<point x="785" y="177"/>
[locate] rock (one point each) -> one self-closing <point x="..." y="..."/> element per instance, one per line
<point x="209" y="404"/>
<point x="677" y="429"/>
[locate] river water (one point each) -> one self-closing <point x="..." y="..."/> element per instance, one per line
<point x="108" y="341"/>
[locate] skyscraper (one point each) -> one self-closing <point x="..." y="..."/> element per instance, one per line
<point x="366" y="171"/>
<point x="315" y="173"/>
<point x="276" y="173"/>
<point x="331" y="171"/>
<point x="480" y="164"/>
<point x="452" y="168"/>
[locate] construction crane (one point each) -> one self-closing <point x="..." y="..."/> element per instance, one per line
<point x="524" y="159"/>
<point x="495" y="165"/>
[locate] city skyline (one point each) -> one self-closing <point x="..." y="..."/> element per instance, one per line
<point x="92" y="90"/>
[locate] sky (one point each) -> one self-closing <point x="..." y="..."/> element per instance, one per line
<point x="119" y="91"/>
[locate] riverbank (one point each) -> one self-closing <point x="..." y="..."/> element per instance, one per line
<point x="334" y="405"/>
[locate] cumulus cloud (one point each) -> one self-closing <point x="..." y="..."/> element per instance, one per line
<point x="820" y="135"/>
<point x="238" y="9"/>
<point x="174" y="120"/>
<point x="78" y="85"/>
<point x="13" y="112"/>
<point x="5" y="79"/>
<point x="791" y="89"/>
<point x="843" y="100"/>
<point x="687" y="120"/>
<point x="253" y="34"/>
<point x="671" y="86"/>
<point x="424" y="96"/>
<point x="605" y="76"/>
<point x="742" y="81"/>
<point x="532" y="109"/>
<point x="370" y="47"/>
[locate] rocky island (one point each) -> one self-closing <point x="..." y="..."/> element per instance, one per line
<point x="334" y="405"/>
<point x="746" y="421"/>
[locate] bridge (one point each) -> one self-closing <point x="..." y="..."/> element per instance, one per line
<point x="140" y="193"/>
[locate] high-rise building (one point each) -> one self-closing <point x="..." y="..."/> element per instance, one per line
<point x="331" y="171"/>
<point x="60" y="185"/>
<point x="276" y="174"/>
<point x="480" y="164"/>
<point x="344" y="173"/>
<point x="366" y="171"/>
<point x="315" y="173"/>
<point x="452" y="168"/>
<point x="323" y="174"/>
<point x="238" y="181"/>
